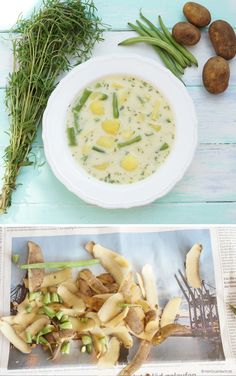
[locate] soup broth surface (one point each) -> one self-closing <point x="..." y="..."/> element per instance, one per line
<point x="120" y="129"/>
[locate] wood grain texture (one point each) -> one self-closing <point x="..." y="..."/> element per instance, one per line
<point x="207" y="192"/>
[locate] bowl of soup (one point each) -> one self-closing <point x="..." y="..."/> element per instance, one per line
<point x="119" y="131"/>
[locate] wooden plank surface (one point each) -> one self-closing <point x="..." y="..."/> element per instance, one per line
<point x="207" y="192"/>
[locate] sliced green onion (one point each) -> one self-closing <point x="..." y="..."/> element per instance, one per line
<point x="130" y="142"/>
<point x="28" y="308"/>
<point x="66" y="325"/>
<point x="164" y="146"/>
<point x="15" y="258"/>
<point x="47" y="298"/>
<point x="54" y="298"/>
<point x="115" y="106"/>
<point x="60" y="264"/>
<point x="43" y="341"/>
<point x="82" y="100"/>
<point x="49" y="312"/>
<point x="71" y="136"/>
<point x="95" y="148"/>
<point x="86" y="340"/>
<point x="47" y="329"/>
<point x="34" y="295"/>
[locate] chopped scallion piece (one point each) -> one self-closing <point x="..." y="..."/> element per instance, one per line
<point x="64" y="318"/>
<point x="59" y="315"/>
<point x="89" y="348"/>
<point x="54" y="298"/>
<point x="34" y="295"/>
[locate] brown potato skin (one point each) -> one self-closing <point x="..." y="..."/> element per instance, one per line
<point x="186" y="33"/>
<point x="197" y="14"/>
<point x="216" y="75"/>
<point x="223" y="39"/>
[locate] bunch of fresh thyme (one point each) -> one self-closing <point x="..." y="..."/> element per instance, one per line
<point x="56" y="32"/>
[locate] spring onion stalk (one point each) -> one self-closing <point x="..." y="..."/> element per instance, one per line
<point x="65" y="325"/>
<point x="182" y="49"/>
<point x="15" y="258"/>
<point x="155" y="42"/>
<point x="164" y="146"/>
<point x="82" y="100"/>
<point x="65" y="348"/>
<point x="47" y="298"/>
<point x="130" y="142"/>
<point x="86" y="340"/>
<point x="95" y="148"/>
<point x="115" y="106"/>
<point x="71" y="136"/>
<point x="60" y="264"/>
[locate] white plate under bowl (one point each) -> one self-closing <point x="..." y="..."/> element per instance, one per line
<point x="74" y="177"/>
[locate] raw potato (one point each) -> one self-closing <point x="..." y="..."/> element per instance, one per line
<point x="186" y="33"/>
<point x="197" y="14"/>
<point x="193" y="266"/>
<point x="170" y="311"/>
<point x="216" y="75"/>
<point x="223" y="39"/>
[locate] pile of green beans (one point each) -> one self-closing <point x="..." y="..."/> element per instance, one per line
<point x="175" y="56"/>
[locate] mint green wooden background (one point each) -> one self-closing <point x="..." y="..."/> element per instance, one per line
<point x="207" y="193"/>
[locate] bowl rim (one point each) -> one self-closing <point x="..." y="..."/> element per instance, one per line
<point x="82" y="192"/>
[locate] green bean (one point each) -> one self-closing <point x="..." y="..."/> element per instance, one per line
<point x="65" y="348"/>
<point x="154" y="28"/>
<point x="115" y="106"/>
<point x="76" y="120"/>
<point x="57" y="264"/>
<point x="71" y="136"/>
<point x="188" y="55"/>
<point x="130" y="142"/>
<point x="168" y="60"/>
<point x="95" y="148"/>
<point x="155" y="42"/>
<point x="82" y="100"/>
<point x="47" y="298"/>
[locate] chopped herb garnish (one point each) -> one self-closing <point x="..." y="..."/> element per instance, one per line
<point x="164" y="146"/>
<point x="95" y="148"/>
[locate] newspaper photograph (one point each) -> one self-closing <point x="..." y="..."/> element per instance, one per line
<point x="116" y="301"/>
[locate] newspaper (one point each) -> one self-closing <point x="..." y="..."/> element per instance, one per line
<point x="210" y="350"/>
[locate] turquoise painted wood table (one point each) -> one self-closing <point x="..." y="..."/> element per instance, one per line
<point x="206" y="194"/>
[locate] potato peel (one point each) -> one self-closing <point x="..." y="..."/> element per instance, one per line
<point x="193" y="266"/>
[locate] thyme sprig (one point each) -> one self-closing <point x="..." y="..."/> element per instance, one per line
<point x="45" y="43"/>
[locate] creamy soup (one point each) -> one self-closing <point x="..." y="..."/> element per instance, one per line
<point x="120" y="129"/>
